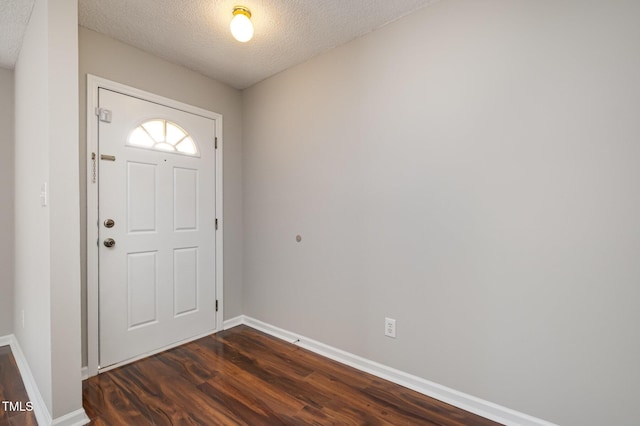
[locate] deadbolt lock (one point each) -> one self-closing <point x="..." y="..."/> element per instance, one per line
<point x="109" y="223"/>
<point x="109" y="242"/>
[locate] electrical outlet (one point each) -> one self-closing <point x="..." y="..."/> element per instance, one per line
<point x="390" y="327"/>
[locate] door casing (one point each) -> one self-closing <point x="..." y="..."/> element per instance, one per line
<point x="93" y="84"/>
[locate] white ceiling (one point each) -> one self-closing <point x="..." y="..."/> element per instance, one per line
<point x="195" y="33"/>
<point x="14" y="17"/>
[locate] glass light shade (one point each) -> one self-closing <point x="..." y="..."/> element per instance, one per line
<point x="241" y="27"/>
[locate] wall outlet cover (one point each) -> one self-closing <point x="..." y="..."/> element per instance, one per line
<point x="390" y="327"/>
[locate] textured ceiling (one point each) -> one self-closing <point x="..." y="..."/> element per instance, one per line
<point x="14" y="16"/>
<point x="195" y="33"/>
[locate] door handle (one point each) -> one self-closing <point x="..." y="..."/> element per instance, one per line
<point x="109" y="242"/>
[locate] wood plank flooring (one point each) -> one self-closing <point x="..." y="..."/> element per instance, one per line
<point x="244" y="377"/>
<point x="12" y="389"/>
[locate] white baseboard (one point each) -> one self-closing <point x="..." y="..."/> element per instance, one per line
<point x="75" y="418"/>
<point x="6" y="340"/>
<point x="40" y="410"/>
<point x="458" y="399"/>
<point x="233" y="322"/>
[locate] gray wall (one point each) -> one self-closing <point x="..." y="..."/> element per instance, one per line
<point x="108" y="58"/>
<point x="6" y="201"/>
<point x="47" y="256"/>
<point x="32" y="256"/>
<point x="472" y="171"/>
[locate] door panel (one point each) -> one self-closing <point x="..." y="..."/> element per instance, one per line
<point x="141" y="192"/>
<point x="185" y="186"/>
<point x="157" y="283"/>
<point x="185" y="280"/>
<point x="142" y="284"/>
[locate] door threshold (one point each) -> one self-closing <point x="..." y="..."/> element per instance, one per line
<point x="156" y="351"/>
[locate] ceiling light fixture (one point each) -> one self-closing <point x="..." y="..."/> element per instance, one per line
<point x="241" y="26"/>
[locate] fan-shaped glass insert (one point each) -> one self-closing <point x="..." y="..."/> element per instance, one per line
<point x="162" y="135"/>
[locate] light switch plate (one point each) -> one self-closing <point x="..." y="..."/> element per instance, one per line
<point x="44" y="194"/>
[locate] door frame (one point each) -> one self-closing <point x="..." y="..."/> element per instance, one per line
<point x="93" y="84"/>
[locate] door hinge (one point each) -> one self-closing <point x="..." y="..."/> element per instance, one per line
<point x="216" y="223"/>
<point x="216" y="143"/>
<point x="104" y="115"/>
<point x="216" y="306"/>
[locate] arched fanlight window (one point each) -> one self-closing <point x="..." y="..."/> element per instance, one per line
<point x="163" y="135"/>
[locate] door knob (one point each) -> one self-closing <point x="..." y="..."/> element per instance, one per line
<point x="109" y="242"/>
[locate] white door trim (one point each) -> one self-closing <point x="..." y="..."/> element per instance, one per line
<point x="93" y="84"/>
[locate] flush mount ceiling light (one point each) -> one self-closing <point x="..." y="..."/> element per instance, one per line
<point x="241" y="26"/>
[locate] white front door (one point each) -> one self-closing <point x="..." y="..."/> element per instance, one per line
<point x="156" y="226"/>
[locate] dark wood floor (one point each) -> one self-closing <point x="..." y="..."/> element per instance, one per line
<point x="242" y="376"/>
<point x="12" y="389"/>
